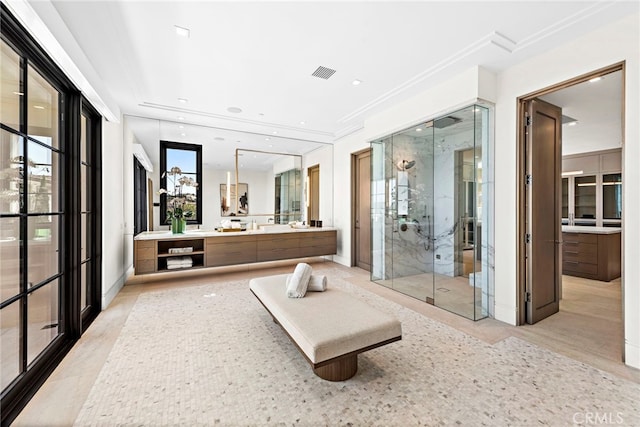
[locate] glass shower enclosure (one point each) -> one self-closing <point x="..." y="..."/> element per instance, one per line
<point x="430" y="216"/>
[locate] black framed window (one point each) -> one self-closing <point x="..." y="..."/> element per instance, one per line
<point x="49" y="208"/>
<point x="139" y="197"/>
<point x="180" y="166"/>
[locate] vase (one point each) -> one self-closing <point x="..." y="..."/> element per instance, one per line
<point x="178" y="225"/>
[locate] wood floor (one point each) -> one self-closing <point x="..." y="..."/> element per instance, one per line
<point x="588" y="329"/>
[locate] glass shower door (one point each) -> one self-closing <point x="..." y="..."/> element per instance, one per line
<point x="458" y="213"/>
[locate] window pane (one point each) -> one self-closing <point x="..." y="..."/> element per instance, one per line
<point x="11" y="167"/>
<point x="85" y="188"/>
<point x="42" y="109"/>
<point x="11" y="89"/>
<point x="42" y="179"/>
<point x="85" y="284"/>
<point x="83" y="139"/>
<point x="43" y="247"/>
<point x="85" y="239"/>
<point x="42" y="319"/>
<point x="9" y="257"/>
<point x="184" y="159"/>
<point x="10" y="343"/>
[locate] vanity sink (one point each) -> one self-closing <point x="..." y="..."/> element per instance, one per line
<point x="275" y="228"/>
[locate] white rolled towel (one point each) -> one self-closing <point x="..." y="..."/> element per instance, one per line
<point x="297" y="286"/>
<point x="317" y="283"/>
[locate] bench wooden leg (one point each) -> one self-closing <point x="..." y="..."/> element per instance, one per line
<point x="339" y="370"/>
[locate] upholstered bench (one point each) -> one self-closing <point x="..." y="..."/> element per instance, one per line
<point x="329" y="328"/>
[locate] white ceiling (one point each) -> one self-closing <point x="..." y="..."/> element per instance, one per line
<point x="597" y="107"/>
<point x="259" y="56"/>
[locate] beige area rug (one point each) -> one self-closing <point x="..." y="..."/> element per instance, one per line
<point x="211" y="355"/>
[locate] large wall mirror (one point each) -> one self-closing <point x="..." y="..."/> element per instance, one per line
<point x="253" y="176"/>
<point x="277" y="177"/>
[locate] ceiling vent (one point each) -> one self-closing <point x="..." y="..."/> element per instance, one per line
<point x="445" y="122"/>
<point x="323" y="72"/>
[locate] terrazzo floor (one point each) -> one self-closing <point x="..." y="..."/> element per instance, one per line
<point x="203" y="351"/>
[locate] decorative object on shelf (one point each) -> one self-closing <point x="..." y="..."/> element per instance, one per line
<point x="232" y="202"/>
<point x="181" y="203"/>
<point x="178" y="225"/>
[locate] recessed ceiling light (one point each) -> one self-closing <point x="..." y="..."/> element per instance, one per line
<point x="301" y="123"/>
<point x="181" y="127"/>
<point x="596" y="79"/>
<point x="270" y="145"/>
<point x="356" y="82"/>
<point x="182" y="31"/>
<point x="267" y="139"/>
<point x="235" y="110"/>
<point x="275" y="132"/>
<point x="38" y="107"/>
<point x="183" y="134"/>
<point x="572" y="123"/>
<point x="180" y="118"/>
<point x="419" y="130"/>
<point x="183" y="100"/>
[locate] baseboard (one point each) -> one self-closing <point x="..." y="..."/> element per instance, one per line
<point x="111" y="293"/>
<point x="506" y="314"/>
<point x="342" y="260"/>
<point x="632" y="355"/>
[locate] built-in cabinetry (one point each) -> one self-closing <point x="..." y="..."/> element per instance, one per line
<point x="592" y="189"/>
<point x="593" y="255"/>
<point x="154" y="252"/>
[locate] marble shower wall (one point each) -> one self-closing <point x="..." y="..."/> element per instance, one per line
<point x="407" y="238"/>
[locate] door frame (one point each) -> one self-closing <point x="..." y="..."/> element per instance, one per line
<point x="354" y="214"/>
<point x="521" y="211"/>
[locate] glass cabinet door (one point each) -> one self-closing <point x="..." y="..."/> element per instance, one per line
<point x="612" y="199"/>
<point x="585" y="200"/>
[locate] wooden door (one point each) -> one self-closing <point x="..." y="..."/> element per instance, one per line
<point x="544" y="208"/>
<point x="362" y="199"/>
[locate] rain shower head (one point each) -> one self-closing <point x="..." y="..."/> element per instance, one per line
<point x="403" y="165"/>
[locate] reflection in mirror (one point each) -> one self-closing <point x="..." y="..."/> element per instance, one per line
<point x="277" y="180"/>
<point x="258" y="165"/>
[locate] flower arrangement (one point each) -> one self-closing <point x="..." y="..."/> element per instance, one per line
<point x="180" y="205"/>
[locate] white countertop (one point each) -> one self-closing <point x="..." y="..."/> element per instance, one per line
<point x="196" y="234"/>
<point x="592" y="230"/>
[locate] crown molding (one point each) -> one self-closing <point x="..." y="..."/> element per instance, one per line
<point x="233" y="119"/>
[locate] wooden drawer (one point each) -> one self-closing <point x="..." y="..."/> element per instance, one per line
<point x="575" y="238"/>
<point x="145" y="266"/>
<point x="274" y="254"/>
<point x="318" y="250"/>
<point x="582" y="257"/>
<point x="317" y="239"/>
<point x="579" y="267"/>
<point x="145" y="254"/>
<point x="281" y="241"/>
<point x="236" y="252"/>
<point x="230" y="239"/>
<point x="230" y="258"/>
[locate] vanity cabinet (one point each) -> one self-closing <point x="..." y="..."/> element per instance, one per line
<point x="592" y="255"/>
<point x="214" y="249"/>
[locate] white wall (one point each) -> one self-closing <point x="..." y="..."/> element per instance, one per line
<point x="113" y="218"/>
<point x="603" y="47"/>
<point x="459" y="91"/>
<point x="322" y="157"/>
